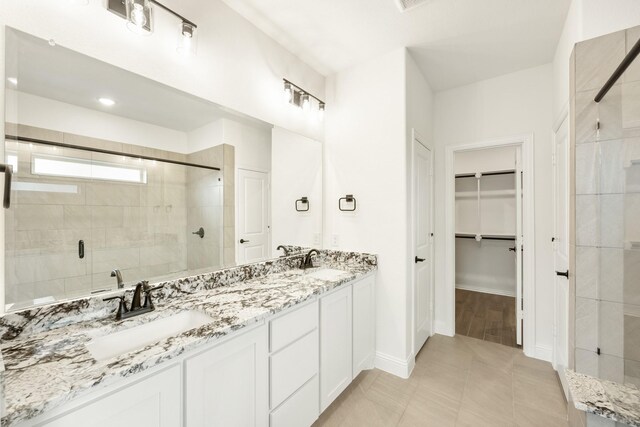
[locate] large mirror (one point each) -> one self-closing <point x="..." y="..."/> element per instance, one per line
<point x="113" y="171"/>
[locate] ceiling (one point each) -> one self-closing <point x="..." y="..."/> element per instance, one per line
<point x="67" y="76"/>
<point x="455" y="42"/>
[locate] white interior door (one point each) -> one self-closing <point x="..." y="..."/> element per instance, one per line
<point x="561" y="245"/>
<point x="518" y="251"/>
<point x="423" y="259"/>
<point x="253" y="216"/>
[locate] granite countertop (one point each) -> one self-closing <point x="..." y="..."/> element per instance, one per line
<point x="58" y="357"/>
<point x="617" y="402"/>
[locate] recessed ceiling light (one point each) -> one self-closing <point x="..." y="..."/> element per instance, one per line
<point x="107" y="101"/>
<point x="13" y="81"/>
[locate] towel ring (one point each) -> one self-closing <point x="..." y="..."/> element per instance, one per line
<point x="348" y="199"/>
<point x="303" y="201"/>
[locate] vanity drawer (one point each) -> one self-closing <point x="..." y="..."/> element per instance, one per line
<point x="301" y="409"/>
<point x="292" y="367"/>
<point x="288" y="328"/>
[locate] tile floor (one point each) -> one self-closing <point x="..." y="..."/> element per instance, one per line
<point x="457" y="381"/>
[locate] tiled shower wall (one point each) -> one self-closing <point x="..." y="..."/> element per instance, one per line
<point x="606" y="193"/>
<point x="141" y="229"/>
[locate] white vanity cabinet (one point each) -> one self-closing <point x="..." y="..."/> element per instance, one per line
<point x="280" y="373"/>
<point x="227" y="385"/>
<point x="335" y="344"/>
<point x="294" y="367"/>
<point x="364" y="319"/>
<point x="154" y="401"/>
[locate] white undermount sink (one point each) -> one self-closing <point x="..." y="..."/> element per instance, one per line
<point x="121" y="342"/>
<point x="329" y="274"/>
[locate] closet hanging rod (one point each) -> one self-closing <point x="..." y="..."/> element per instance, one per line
<point x="487" y="237"/>
<point x="471" y="175"/>
<point x="99" y="150"/>
<point x="626" y="62"/>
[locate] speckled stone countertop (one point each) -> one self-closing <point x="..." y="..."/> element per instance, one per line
<point x="47" y="363"/>
<point x="617" y="402"/>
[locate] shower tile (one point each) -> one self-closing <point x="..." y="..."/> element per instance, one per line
<point x="631" y="105"/>
<point x="632" y="217"/>
<point x="633" y="179"/>
<point x="586" y="323"/>
<point x="597" y="59"/>
<point x="612" y="220"/>
<point x="77" y="217"/>
<point x="632" y="372"/>
<point x="46" y="217"/>
<point x="611" y="328"/>
<point x="587" y="262"/>
<point x="586" y="220"/>
<point x="633" y="72"/>
<point x="105" y="260"/>
<point x="106" y="216"/>
<point x="608" y="111"/>
<point x="110" y="194"/>
<point x="586" y="362"/>
<point x="632" y="277"/>
<point x="611" y="282"/>
<point x="632" y="333"/>
<point x="611" y="368"/>
<point x="612" y="175"/>
<point x="586" y="168"/>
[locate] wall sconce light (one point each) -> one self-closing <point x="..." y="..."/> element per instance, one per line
<point x="139" y="17"/>
<point x="299" y="97"/>
<point x="288" y="92"/>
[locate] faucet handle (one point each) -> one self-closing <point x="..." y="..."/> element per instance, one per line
<point x="147" y="296"/>
<point x="122" y="307"/>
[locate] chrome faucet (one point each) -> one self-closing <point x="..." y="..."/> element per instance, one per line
<point x="116" y="273"/>
<point x="307" y="261"/>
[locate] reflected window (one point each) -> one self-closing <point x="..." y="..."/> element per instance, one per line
<point x="70" y="167"/>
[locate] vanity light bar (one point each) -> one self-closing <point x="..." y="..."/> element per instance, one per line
<point x="299" y="97"/>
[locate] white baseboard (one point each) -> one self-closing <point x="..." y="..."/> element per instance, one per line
<point x="543" y="353"/>
<point x="443" y="328"/>
<point x="394" y="365"/>
<point x="486" y="290"/>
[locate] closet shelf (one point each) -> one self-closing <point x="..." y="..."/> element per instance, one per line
<point x="473" y="175"/>
<point x="506" y="237"/>
<point x="486" y="193"/>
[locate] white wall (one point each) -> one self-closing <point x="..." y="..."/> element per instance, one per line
<point x="296" y="164"/>
<point x="510" y="105"/>
<point x="253" y="145"/>
<point x="587" y="19"/>
<point x="237" y="65"/>
<point x="32" y="110"/>
<point x="487" y="160"/>
<point x="365" y="155"/>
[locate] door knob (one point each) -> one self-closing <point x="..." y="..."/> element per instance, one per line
<point x="417" y="260"/>
<point x="199" y="232"/>
<point x="563" y="273"/>
<point x="244" y="241"/>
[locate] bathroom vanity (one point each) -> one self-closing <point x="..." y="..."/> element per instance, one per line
<point x="256" y="345"/>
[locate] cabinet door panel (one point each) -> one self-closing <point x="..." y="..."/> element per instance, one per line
<point x="152" y="402"/>
<point x="364" y="320"/>
<point x="335" y="345"/>
<point x="228" y="385"/>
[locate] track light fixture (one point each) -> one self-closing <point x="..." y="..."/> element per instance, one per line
<point x="299" y="97"/>
<point x="139" y="17"/>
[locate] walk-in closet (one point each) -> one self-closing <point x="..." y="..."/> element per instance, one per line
<point x="488" y="210"/>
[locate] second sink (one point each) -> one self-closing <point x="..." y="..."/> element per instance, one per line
<point x="329" y="274"/>
<point x="121" y="342"/>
